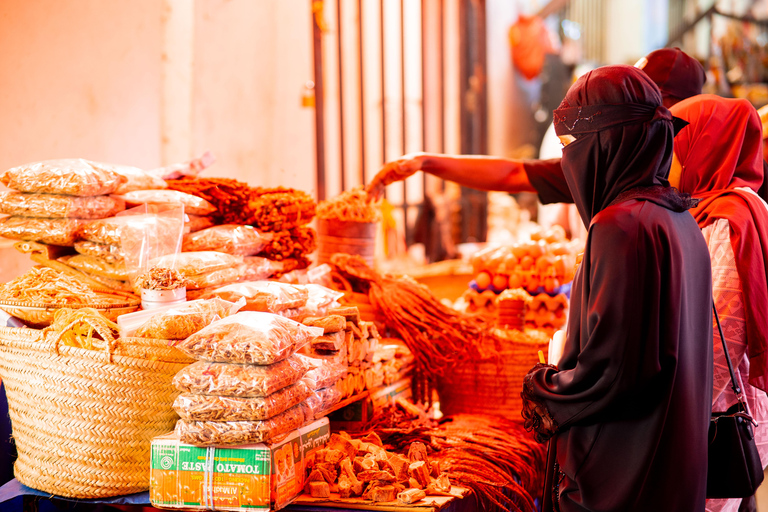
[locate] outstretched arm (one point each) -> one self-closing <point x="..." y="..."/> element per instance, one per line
<point x="475" y="171"/>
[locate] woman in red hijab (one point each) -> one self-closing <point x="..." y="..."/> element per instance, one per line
<point x="629" y="402"/>
<point x="719" y="161"/>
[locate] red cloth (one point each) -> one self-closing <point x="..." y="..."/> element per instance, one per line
<point x="530" y="42"/>
<point x="720" y="150"/>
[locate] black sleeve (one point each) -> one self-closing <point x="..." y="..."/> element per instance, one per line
<point x="546" y="176"/>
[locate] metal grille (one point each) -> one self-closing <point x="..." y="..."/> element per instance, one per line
<point x="390" y="78"/>
<point x="590" y="15"/>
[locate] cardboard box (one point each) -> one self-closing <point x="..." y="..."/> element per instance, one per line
<point x="256" y="477"/>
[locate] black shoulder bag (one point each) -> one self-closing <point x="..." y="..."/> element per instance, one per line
<point x="734" y="467"/>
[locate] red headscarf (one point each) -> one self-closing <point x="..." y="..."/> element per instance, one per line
<point x="719" y="151"/>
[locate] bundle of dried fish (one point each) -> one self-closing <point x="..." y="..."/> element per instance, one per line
<point x="438" y="336"/>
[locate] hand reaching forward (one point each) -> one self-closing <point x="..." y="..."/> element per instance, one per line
<point x="396" y="170"/>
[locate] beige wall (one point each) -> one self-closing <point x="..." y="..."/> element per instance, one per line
<point x="80" y="78"/>
<point x="251" y="60"/>
<point x="99" y="79"/>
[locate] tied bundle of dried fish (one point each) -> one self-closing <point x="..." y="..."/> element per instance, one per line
<point x="292" y="243"/>
<point x="352" y="205"/>
<point x="494" y="457"/>
<point x="281" y="208"/>
<point x="438" y="336"/>
<point x="229" y="196"/>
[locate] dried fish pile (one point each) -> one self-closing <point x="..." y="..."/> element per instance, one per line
<point x="438" y="336"/>
<point x="494" y="457"/>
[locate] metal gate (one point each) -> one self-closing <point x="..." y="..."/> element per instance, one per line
<point x="394" y="77"/>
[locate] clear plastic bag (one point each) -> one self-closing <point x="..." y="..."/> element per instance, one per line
<point x="268" y="296"/>
<point x="96" y="266"/>
<point x="321" y="373"/>
<point x="194" y="223"/>
<point x="72" y="177"/>
<point x="229" y="238"/>
<point x="108" y="252"/>
<point x="149" y="232"/>
<point x="204" y="269"/>
<point x="216" y="278"/>
<point x="239" y="380"/>
<point x="320" y="299"/>
<point x="248" y="337"/>
<point x="109" y="231"/>
<point x="137" y="179"/>
<point x="258" y="268"/>
<point x="321" y="402"/>
<point x="193" y="407"/>
<point x="192" y="204"/>
<point x="209" y="433"/>
<point x="57" y="205"/>
<point x="47" y="231"/>
<point x="200" y="262"/>
<point x="184" y="320"/>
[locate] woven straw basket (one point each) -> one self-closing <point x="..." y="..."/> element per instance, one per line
<point x="492" y="385"/>
<point x="83" y="419"/>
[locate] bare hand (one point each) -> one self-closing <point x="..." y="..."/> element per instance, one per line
<point x="396" y="170"/>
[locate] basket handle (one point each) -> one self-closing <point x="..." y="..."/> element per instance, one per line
<point x="109" y="343"/>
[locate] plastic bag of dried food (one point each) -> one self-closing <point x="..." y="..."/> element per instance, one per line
<point x="61" y="231"/>
<point x="216" y="278"/>
<point x="269" y="296"/>
<point x="193" y="407"/>
<point x="57" y="205"/>
<point x="321" y="402"/>
<point x="109" y="230"/>
<point x="184" y="320"/>
<point x="110" y="253"/>
<point x="204" y="269"/>
<point x="96" y="266"/>
<point x="209" y="433"/>
<point x="239" y="380"/>
<point x="72" y="177"/>
<point x="258" y="268"/>
<point x="321" y="373"/>
<point x="137" y="179"/>
<point x="194" y="223"/>
<point x="320" y="299"/>
<point x="248" y="337"/>
<point x="192" y="204"/>
<point x="149" y="232"/>
<point x="228" y="238"/>
<point x="200" y="262"/>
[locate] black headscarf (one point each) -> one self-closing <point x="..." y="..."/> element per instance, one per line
<point x="623" y="136"/>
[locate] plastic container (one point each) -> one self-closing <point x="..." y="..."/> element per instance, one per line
<point x="151" y="299"/>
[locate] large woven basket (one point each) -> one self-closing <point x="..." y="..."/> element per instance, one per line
<point x="83" y="419"/>
<point x="492" y="385"/>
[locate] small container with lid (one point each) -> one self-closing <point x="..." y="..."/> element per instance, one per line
<point x="155" y="298"/>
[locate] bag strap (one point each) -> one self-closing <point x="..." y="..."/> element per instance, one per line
<point x="736" y="388"/>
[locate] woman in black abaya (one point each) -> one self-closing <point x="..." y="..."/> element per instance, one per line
<point x="630" y="399"/>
